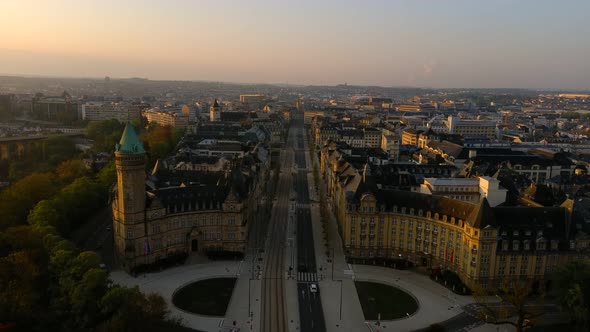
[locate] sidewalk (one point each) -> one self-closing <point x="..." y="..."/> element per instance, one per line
<point x="435" y="302"/>
<point x="342" y="309"/>
<point x="167" y="281"/>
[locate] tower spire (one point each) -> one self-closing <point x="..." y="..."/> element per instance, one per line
<point x="129" y="143"/>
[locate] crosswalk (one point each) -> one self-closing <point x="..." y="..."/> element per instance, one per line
<point x="307" y="276"/>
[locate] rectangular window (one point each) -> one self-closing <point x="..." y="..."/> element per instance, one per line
<point x="129" y="234"/>
<point x="157" y="244"/>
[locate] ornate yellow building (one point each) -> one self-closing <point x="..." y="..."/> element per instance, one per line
<point x="171" y="212"/>
<point x="483" y="245"/>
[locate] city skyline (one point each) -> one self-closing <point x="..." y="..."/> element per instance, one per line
<point x="426" y="44"/>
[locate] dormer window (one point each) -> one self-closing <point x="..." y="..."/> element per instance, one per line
<point x="515" y="245"/>
<point x="515" y="233"/>
<point x="572" y="244"/>
<point x="527" y="245"/>
<point x="554" y="244"/>
<point x="539" y="233"/>
<point x="504" y="233"/>
<point x="541" y="245"/>
<point x="527" y="233"/>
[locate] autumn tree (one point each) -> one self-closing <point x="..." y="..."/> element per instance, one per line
<point x="515" y="308"/>
<point x="71" y="169"/>
<point x="160" y="141"/>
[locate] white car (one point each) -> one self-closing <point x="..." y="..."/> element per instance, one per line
<point x="313" y="288"/>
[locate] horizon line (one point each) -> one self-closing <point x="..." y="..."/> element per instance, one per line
<point x="289" y="84"/>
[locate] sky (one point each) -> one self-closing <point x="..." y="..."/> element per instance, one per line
<point x="533" y="44"/>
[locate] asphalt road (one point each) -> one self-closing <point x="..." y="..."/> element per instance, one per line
<point x="311" y="314"/>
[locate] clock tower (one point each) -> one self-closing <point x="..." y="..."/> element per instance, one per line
<point x="215" y="112"/>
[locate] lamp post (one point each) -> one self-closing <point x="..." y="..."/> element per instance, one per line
<point x="340" y="310"/>
<point x="332" y="261"/>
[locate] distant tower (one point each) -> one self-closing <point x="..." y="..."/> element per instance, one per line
<point x="129" y="200"/>
<point x="215" y="112"/>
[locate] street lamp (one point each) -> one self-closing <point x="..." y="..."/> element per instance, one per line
<point x="340" y="310"/>
<point x="332" y="261"/>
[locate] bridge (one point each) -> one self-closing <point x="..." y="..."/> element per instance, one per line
<point x="16" y="147"/>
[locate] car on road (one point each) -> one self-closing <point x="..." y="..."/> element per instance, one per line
<point x="313" y="288"/>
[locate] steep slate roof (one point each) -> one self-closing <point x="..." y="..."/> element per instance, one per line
<point x="477" y="215"/>
<point x="129" y="143"/>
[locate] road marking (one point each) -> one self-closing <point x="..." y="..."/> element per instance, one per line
<point x="307" y="276"/>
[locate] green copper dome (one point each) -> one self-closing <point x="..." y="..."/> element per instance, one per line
<point x="129" y="143"/>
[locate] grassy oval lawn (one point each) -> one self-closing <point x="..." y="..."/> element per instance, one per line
<point x="208" y="297"/>
<point x="389" y="301"/>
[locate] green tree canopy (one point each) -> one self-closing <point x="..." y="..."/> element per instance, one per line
<point x="105" y="134"/>
<point x="18" y="199"/>
<point x="573" y="289"/>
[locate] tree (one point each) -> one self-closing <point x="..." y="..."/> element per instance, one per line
<point x="71" y="169"/>
<point x="18" y="199"/>
<point x="128" y="309"/>
<point x="107" y="175"/>
<point x="160" y="141"/>
<point x="572" y="283"/>
<point x="20" y="285"/>
<point x="57" y="149"/>
<point x="105" y="134"/>
<point x="514" y="309"/>
<point x="76" y="201"/>
<point x="86" y="294"/>
<point x="44" y="213"/>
